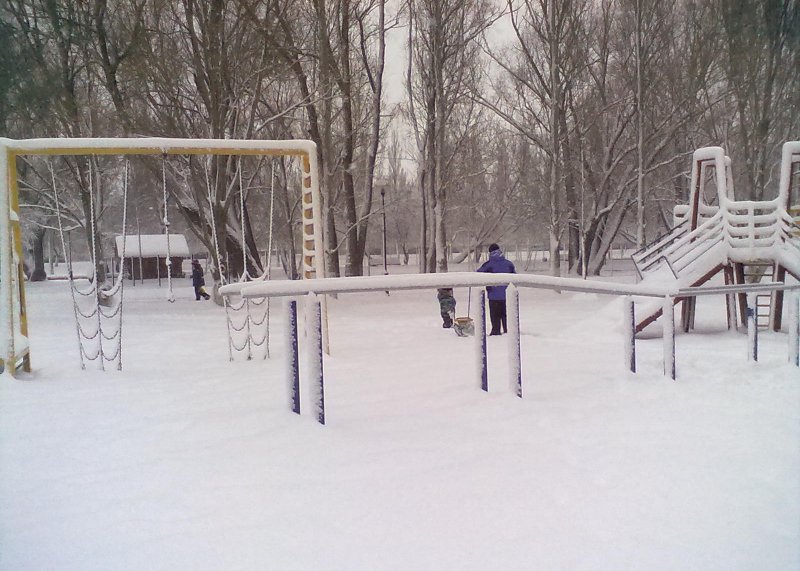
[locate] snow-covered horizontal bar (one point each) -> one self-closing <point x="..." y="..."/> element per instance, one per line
<point x="735" y="288"/>
<point x="156" y="145"/>
<point x="753" y="219"/>
<point x="737" y="205"/>
<point x="433" y="281"/>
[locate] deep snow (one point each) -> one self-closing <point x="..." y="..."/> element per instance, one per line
<point x="187" y="461"/>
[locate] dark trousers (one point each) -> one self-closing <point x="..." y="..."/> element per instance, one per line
<point x="497" y="314"/>
<point x="200" y="292"/>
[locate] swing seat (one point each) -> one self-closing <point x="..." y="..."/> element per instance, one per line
<point x="464" y="326"/>
<point x="104" y="299"/>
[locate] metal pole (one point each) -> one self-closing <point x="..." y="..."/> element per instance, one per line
<point x="794" y="329"/>
<point x="669" y="337"/>
<point x="383" y="213"/>
<point x="383" y="209"/>
<point x="6" y="269"/>
<point x="139" y="240"/>
<point x="514" y="345"/>
<point x="629" y="329"/>
<point x="293" y="361"/>
<point x="752" y="328"/>
<point x="50" y="251"/>
<point x="69" y="254"/>
<point x="314" y="336"/>
<point x="480" y="342"/>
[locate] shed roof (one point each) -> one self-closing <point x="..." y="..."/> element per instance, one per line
<point x="153" y="245"/>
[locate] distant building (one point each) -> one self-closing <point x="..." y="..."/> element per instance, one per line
<point x="153" y="255"/>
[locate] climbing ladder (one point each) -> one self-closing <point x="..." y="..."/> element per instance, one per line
<point x="752" y="274"/>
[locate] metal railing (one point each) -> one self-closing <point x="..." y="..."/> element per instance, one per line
<point x="643" y="257"/>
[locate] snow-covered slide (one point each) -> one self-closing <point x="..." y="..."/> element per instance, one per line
<point x="730" y="235"/>
<point x="688" y="261"/>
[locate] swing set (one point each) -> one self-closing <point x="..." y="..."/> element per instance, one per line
<point x="99" y="327"/>
<point x="246" y="317"/>
<point x="97" y="309"/>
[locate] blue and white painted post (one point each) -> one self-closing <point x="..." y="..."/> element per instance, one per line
<point x="629" y="333"/>
<point x="315" y="352"/>
<point x="669" y="337"/>
<point x="794" y="329"/>
<point x="293" y="360"/>
<point x="480" y="342"/>
<point x="752" y="328"/>
<point x="514" y="345"/>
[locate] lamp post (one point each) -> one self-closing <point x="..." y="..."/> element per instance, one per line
<point x="383" y="213"/>
<point x="383" y="209"/>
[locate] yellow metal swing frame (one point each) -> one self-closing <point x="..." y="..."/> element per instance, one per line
<point x="14" y="346"/>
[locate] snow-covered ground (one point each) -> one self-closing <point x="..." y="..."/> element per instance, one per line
<point x="187" y="461"/>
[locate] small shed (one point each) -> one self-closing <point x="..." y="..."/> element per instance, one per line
<point x="151" y="249"/>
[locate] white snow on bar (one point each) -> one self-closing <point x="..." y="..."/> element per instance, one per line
<point x="432" y="281"/>
<point x="162" y="144"/>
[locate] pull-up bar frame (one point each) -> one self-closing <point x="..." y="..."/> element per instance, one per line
<point x="310" y="288"/>
<point x="14" y="347"/>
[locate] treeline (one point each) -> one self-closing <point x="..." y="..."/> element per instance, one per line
<point x="561" y="121"/>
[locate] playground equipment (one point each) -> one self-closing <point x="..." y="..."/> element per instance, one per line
<point x="104" y="313"/>
<point x="309" y="290"/>
<point x="745" y="240"/>
<point x="253" y="315"/>
<point x="14" y="345"/>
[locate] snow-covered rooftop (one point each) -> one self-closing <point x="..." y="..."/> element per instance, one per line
<point x="153" y="245"/>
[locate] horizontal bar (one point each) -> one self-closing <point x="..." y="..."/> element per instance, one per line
<point x="155" y="146"/>
<point x="736" y="288"/>
<point x="431" y="281"/>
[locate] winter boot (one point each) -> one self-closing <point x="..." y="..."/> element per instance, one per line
<point x="447" y="321"/>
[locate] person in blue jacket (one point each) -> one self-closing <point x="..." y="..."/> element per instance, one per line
<point x="198" y="281"/>
<point x="497" y="264"/>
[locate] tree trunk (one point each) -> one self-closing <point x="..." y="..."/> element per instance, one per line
<point x="374" y="137"/>
<point x="37" y="250"/>
<point x="574" y="234"/>
<point x="555" y="141"/>
<point x="640" y="219"/>
<point x="440" y="121"/>
<point x="423" y="222"/>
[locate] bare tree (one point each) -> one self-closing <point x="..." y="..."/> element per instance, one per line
<point x="55" y="40"/>
<point x="443" y="69"/>
<point x="542" y="65"/>
<point x="348" y="58"/>
<point x="762" y="72"/>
